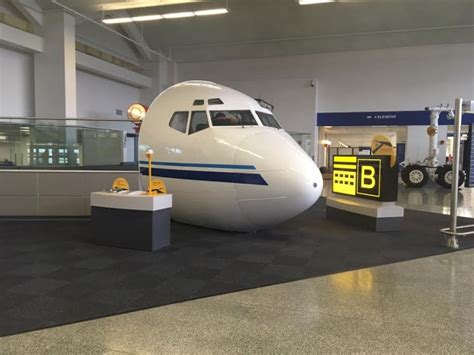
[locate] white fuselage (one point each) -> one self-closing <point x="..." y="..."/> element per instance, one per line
<point x="237" y="178"/>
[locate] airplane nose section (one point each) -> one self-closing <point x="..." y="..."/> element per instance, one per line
<point x="293" y="181"/>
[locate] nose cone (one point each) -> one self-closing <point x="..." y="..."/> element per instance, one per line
<point x="294" y="182"/>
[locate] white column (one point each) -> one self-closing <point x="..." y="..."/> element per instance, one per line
<point x="55" y="68"/>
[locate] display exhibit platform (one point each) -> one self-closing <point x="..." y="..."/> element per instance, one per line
<point x="131" y="220"/>
<point x="51" y="274"/>
<point x="368" y="214"/>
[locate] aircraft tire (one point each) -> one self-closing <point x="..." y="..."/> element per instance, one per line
<point x="414" y="175"/>
<point x="444" y="176"/>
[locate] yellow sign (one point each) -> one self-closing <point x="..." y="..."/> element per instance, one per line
<point x="120" y="184"/>
<point x="344" y="175"/>
<point x="158" y="187"/>
<point x="370" y="177"/>
<point x="366" y="176"/>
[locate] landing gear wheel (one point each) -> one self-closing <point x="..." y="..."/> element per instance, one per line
<point x="444" y="176"/>
<point x="415" y="175"/>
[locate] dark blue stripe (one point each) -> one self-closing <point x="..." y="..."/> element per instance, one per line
<point x="393" y="118"/>
<point x="216" y="176"/>
<point x="201" y="165"/>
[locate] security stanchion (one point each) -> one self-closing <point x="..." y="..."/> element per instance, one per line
<point x="453" y="231"/>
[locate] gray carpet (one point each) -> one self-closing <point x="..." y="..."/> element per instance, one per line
<point x="50" y="274"/>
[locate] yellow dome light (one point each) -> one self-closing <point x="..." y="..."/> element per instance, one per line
<point x="136" y="112"/>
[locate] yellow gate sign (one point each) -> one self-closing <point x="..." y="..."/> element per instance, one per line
<point x="370" y="177"/>
<point x="158" y="187"/>
<point x="120" y="184"/>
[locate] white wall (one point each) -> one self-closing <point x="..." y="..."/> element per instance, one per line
<point x="99" y="97"/>
<point x="16" y="83"/>
<point x="376" y="80"/>
<point x="389" y="79"/>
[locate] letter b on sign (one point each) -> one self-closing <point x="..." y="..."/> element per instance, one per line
<point x="369" y="176"/>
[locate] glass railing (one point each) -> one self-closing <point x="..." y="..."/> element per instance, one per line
<point x="28" y="143"/>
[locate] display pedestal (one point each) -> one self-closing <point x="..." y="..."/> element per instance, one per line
<point x="131" y="220"/>
<point x="373" y="215"/>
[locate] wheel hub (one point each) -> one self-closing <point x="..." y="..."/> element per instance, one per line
<point x="448" y="177"/>
<point x="416" y="176"/>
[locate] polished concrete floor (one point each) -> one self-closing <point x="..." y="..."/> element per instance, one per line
<point x="418" y="306"/>
<point x="436" y="199"/>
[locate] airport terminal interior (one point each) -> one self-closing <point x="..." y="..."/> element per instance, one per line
<point x="236" y="176"/>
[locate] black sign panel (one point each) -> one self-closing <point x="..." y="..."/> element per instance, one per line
<point x="369" y="177"/>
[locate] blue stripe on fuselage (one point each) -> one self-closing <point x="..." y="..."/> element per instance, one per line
<point x="201" y="165"/>
<point x="214" y="176"/>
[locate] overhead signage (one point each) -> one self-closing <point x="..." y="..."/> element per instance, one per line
<point x="385" y="118"/>
<point x="369" y="177"/>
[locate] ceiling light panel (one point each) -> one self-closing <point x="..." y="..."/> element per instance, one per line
<point x="179" y="14"/>
<point x="312" y="2"/>
<point x="147" y="18"/>
<point x="211" y="12"/>
<point x="110" y="21"/>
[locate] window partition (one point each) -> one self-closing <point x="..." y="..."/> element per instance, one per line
<point x="34" y="144"/>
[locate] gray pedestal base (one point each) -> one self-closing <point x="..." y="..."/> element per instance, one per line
<point x="133" y="229"/>
<point x="371" y="215"/>
<point x="387" y="224"/>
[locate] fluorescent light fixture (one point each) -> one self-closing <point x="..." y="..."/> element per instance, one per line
<point x="179" y="14"/>
<point x="211" y="12"/>
<point x="311" y="2"/>
<point x="147" y="18"/>
<point x="110" y="21"/>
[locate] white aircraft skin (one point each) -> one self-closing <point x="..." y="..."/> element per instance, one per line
<point x="226" y="177"/>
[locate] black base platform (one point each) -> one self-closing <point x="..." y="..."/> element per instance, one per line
<point x="51" y="273"/>
<point x="389" y="224"/>
<point x="132" y="229"/>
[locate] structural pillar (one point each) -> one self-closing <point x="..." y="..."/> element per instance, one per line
<point x="55" y="68"/>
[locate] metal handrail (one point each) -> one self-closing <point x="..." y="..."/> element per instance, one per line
<point x="63" y="119"/>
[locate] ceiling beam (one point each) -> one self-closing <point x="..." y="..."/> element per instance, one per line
<point x="132" y="30"/>
<point x="32" y="12"/>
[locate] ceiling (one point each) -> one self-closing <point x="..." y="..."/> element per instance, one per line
<point x="266" y="28"/>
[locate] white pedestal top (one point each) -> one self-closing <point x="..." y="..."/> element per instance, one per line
<point x="134" y="200"/>
<point x="363" y="206"/>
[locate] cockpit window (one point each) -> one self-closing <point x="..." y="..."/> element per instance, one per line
<point x="215" y="101"/>
<point x="198" y="102"/>
<point x="179" y="121"/>
<point x="198" y="121"/>
<point x="268" y="120"/>
<point x="233" y="118"/>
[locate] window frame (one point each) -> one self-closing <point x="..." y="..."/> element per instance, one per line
<point x="187" y="121"/>
<point x="191" y="117"/>
<point x="266" y="113"/>
<point x="257" y="122"/>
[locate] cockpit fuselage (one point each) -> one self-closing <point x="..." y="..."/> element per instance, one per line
<point x="225" y="159"/>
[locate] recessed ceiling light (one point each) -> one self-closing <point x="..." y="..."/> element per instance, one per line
<point x="117" y="20"/>
<point x="179" y="14"/>
<point x="311" y="2"/>
<point x="147" y="18"/>
<point x="211" y="12"/>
